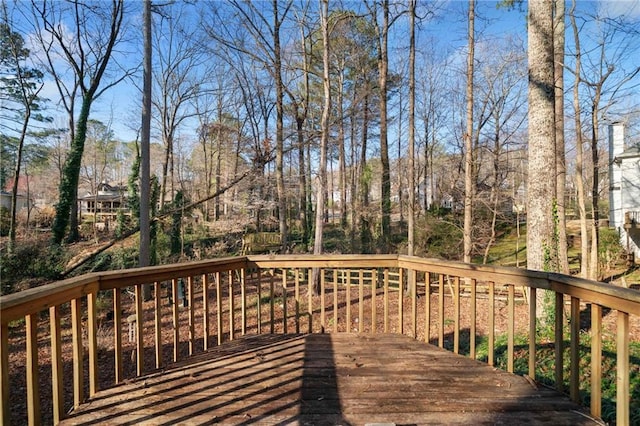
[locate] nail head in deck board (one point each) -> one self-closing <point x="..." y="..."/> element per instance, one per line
<point x="329" y="379"/>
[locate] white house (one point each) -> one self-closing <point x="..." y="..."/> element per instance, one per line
<point x="624" y="188"/>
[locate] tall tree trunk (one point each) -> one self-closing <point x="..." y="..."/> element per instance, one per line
<point x="540" y="191"/>
<point x="342" y="168"/>
<point x="70" y="177"/>
<point x="145" y="148"/>
<point x="561" y="179"/>
<point x="16" y="180"/>
<point x="383" y="65"/>
<point x="324" y="141"/>
<point x="579" y="182"/>
<point x="282" y="201"/>
<point x="468" y="154"/>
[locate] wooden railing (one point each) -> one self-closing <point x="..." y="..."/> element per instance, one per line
<point x="77" y="333"/>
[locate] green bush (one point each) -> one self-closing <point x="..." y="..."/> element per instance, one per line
<point x="36" y="261"/>
<point x="5" y="221"/>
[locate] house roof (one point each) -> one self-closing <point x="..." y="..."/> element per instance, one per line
<point x="631" y="152"/>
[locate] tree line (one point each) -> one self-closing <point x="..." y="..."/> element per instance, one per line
<point x="299" y="113"/>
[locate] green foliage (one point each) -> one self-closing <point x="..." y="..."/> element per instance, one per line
<point x="545" y="367"/>
<point x="438" y="236"/>
<point x="36" y="261"/>
<point x="5" y="221"/>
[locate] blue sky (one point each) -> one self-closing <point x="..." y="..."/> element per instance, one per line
<point x="119" y="106"/>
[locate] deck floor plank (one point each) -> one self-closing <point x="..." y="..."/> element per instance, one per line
<point x="329" y="379"/>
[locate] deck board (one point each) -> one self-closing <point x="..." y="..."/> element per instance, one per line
<point x="329" y="379"/>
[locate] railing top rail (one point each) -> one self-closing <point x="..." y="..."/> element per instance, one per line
<point x="17" y="305"/>
<point x="324" y="261"/>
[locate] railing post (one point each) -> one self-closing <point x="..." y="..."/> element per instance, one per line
<point x="322" y="301"/>
<point x="374" y="297"/>
<point x="284" y="300"/>
<point x="386" y="300"/>
<point x="296" y="295"/>
<point x="219" y="306"/>
<point x="232" y="308"/>
<point x="400" y="302"/>
<point x="259" y="301"/>
<point x="622" y="369"/>
<point x="413" y="278"/>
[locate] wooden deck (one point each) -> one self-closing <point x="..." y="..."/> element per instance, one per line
<point x="329" y="379"/>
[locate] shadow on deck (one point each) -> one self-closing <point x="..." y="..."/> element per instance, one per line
<point x="329" y="379"/>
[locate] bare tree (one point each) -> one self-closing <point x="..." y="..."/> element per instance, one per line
<point x="468" y="145"/>
<point x="86" y="44"/>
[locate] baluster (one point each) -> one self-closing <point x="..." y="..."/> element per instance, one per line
<point x="472" y="331"/>
<point x="360" y="301"/>
<point x="259" y="301"/>
<point x="335" y="300"/>
<point x="596" y="360"/>
<point x="78" y="372"/>
<point x="296" y="271"/>
<point x="231" y="306"/>
<point x="510" y="326"/>
<point x="33" y="384"/>
<point x="400" y="302"/>
<point x="191" y="312"/>
<point x="243" y="301"/>
<point x="374" y="295"/>
<point x="622" y="369"/>
<point x="92" y="331"/>
<point x="139" y="325"/>
<point x="441" y="310"/>
<point x="348" y="299"/>
<point x="456" y="314"/>
<point x="322" y="301"/>
<point x="427" y="306"/>
<point x="157" y="307"/>
<point x="413" y="277"/>
<point x="176" y="320"/>
<point x="284" y="301"/>
<point x="205" y="311"/>
<point x="386" y="300"/>
<point x="117" y="328"/>
<point x="219" y="307"/>
<point x="492" y="322"/>
<point x="532" y="333"/>
<point x="574" y="386"/>
<point x="559" y="359"/>
<point x="4" y="373"/>
<point x="271" y="302"/>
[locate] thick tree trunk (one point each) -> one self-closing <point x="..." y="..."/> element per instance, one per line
<point x="70" y="177"/>
<point x="383" y="65"/>
<point x="540" y="191"/>
<point x="412" y="124"/>
<point x="282" y="201"/>
<point x="468" y="147"/>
